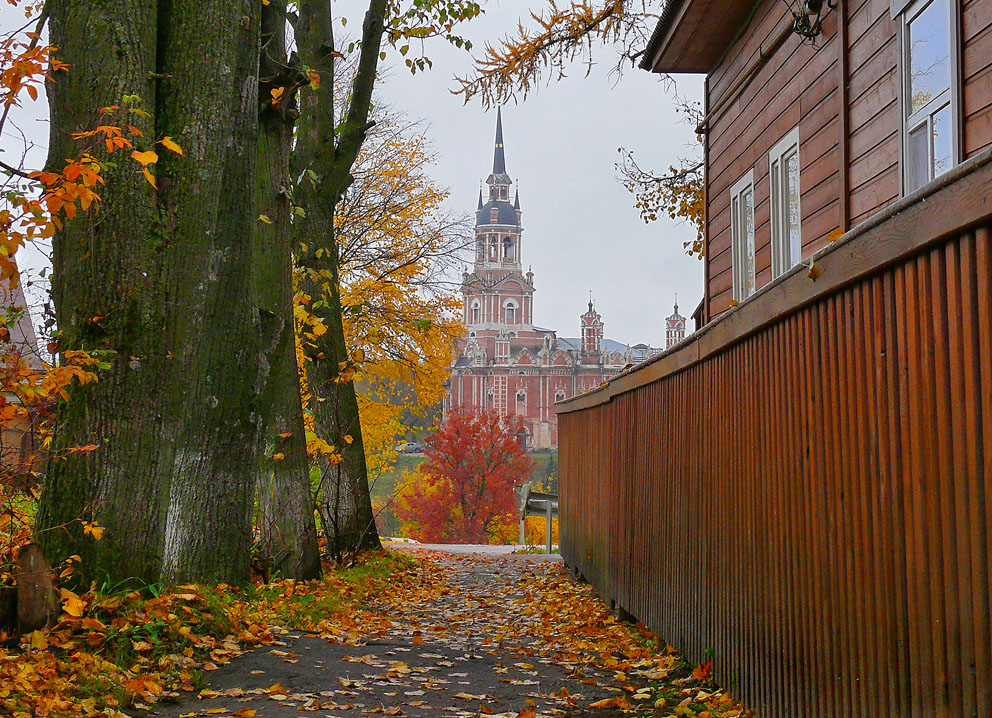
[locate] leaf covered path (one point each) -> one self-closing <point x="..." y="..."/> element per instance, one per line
<point x="468" y="635"/>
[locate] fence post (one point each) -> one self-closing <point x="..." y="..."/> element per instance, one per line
<point x="547" y="506"/>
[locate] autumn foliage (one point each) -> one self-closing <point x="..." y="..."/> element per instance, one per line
<point x="464" y="490"/>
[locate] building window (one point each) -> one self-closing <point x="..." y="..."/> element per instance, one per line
<point x="930" y="134"/>
<point x="560" y="395"/>
<point x="511" y="312"/>
<point x="783" y="183"/>
<point x="742" y="235"/>
<point x="475" y="312"/>
<point x="507" y="248"/>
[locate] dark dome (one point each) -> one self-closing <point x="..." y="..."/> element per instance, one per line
<point x="506" y="213"/>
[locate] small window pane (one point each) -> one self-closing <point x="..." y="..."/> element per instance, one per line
<point x="943" y="147"/>
<point x="747" y="205"/>
<point x="917" y="159"/>
<point x="792" y="206"/>
<point x="929" y="54"/>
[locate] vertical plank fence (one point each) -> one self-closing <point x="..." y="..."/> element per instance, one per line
<point x="804" y="488"/>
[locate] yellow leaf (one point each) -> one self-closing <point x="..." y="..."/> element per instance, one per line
<point x="348" y="439"/>
<point x="73" y="605"/>
<point x="150" y="177"/>
<point x="170" y="144"/>
<point x="245" y="713"/>
<point x="145" y="158"/>
<point x="278" y="457"/>
<point x="264" y="218"/>
<point x="37" y="639"/>
<point x="835" y="234"/>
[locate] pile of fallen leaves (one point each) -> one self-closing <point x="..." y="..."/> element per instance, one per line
<point x="652" y="678"/>
<point x="108" y="653"/>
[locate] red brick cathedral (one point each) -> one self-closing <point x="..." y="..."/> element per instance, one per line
<point x="504" y="362"/>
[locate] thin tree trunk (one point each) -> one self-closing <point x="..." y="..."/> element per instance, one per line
<point x="109" y="298"/>
<point x="348" y="518"/>
<point x="288" y="541"/>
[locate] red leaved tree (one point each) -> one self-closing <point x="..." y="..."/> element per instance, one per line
<point x="464" y="491"/>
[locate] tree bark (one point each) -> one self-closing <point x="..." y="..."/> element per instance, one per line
<point x="162" y="281"/>
<point x="108" y="294"/>
<point x="212" y="108"/>
<point x="346" y="507"/>
<point x="288" y="534"/>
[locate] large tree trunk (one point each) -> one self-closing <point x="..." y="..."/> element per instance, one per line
<point x="288" y="534"/>
<point x="109" y="297"/>
<point x="346" y="507"/>
<point x="212" y="108"/>
<point x="161" y="279"/>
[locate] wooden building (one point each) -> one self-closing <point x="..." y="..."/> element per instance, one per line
<point x="805" y="137"/>
<point x="800" y="492"/>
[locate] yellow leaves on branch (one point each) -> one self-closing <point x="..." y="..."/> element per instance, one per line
<point x="169" y="144"/>
<point x="149" y="157"/>
<point x="562" y="33"/>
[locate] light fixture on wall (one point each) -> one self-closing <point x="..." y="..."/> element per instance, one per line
<point x="807" y="18"/>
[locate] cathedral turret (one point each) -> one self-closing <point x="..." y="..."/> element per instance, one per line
<point x="497" y="220"/>
<point x="592" y="335"/>
<point x="674" y="327"/>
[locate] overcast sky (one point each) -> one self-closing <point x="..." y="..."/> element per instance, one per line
<point x="581" y="231"/>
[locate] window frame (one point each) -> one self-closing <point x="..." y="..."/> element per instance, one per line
<point x="904" y="11"/>
<point x="784" y="255"/>
<point x="510" y="305"/>
<point x="738" y="268"/>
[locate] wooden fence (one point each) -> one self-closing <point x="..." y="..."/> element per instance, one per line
<point x="803" y="489"/>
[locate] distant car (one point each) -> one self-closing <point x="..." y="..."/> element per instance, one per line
<point x="414" y="448"/>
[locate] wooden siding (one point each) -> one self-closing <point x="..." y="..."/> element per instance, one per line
<point x="803" y="489"/>
<point x="976" y="37"/>
<point x="798" y="86"/>
<point x="842" y="184"/>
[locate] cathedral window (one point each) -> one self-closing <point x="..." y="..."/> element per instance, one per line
<point x="560" y="395"/>
<point x="475" y="312"/>
<point x="494" y="249"/>
<point x="507" y="248"/>
<point x="511" y="311"/>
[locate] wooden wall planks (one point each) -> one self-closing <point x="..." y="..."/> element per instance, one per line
<point x="810" y="499"/>
<point x="800" y="85"/>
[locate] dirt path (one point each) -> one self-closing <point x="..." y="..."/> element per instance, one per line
<point x="483" y="644"/>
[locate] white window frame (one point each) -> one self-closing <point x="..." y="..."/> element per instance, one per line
<point x="907" y="10"/>
<point x="742" y="244"/>
<point x="786" y="253"/>
<point x="476" y="311"/>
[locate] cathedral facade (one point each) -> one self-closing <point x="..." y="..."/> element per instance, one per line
<point x="505" y="363"/>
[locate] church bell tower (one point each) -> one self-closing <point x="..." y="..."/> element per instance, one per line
<point x="498" y="295"/>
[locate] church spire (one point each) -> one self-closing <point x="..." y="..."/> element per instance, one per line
<point x="499" y="159"/>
